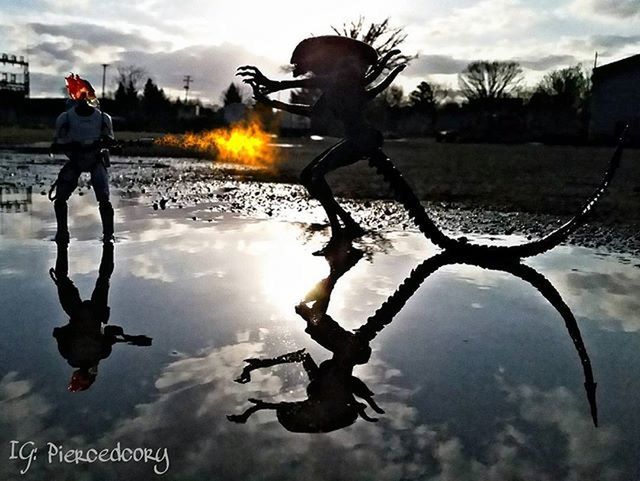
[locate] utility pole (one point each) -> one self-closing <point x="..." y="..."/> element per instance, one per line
<point x="104" y="77"/>
<point x="595" y="61"/>
<point x="187" y="80"/>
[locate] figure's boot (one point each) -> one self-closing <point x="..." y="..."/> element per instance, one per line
<point x="62" y="232"/>
<point x="106" y="215"/>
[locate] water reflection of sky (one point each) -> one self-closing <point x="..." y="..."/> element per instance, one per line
<point x="477" y="374"/>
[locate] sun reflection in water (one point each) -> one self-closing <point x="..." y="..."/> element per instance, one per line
<point x="289" y="273"/>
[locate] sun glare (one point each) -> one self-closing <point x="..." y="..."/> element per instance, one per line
<point x="290" y="273"/>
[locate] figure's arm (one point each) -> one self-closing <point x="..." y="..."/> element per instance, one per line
<point x="372" y="92"/>
<point x="61" y="134"/>
<point x="107" y="127"/>
<point x="61" y="142"/>
<point x="380" y="66"/>
<point x="116" y="334"/>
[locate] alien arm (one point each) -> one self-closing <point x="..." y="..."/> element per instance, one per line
<point x="297" y="109"/>
<point x="379" y="88"/>
<point x="253" y="77"/>
<point x="254" y="363"/>
<point x="303" y="83"/>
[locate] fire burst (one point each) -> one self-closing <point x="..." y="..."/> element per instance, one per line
<point x="243" y="143"/>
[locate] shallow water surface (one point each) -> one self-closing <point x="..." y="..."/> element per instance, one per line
<point x="481" y="373"/>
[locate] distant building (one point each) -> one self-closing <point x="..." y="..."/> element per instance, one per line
<point x="14" y="86"/>
<point x="615" y="100"/>
<point x="14" y="74"/>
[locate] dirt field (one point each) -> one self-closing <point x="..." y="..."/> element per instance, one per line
<point x="513" y="178"/>
<point x="527" y="178"/>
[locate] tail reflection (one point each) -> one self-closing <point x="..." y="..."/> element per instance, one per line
<point x="83" y="341"/>
<point x="332" y="391"/>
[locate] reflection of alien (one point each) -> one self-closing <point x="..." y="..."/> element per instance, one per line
<point x="341" y="68"/>
<point x="331" y="404"/>
<point x="83" y="342"/>
<point x="332" y="391"/>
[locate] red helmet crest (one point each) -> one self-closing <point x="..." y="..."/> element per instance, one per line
<point x="79" y="88"/>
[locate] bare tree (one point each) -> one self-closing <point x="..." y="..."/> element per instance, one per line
<point x="129" y="81"/>
<point x="568" y="87"/>
<point x="131" y="77"/>
<point x="380" y="35"/>
<point x="484" y="80"/>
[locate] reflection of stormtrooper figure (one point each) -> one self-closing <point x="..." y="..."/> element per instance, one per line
<point x="84" y="341"/>
<point x="331" y="403"/>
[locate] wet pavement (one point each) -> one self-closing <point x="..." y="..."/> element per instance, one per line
<point x="478" y="374"/>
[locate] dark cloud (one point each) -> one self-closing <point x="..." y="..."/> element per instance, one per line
<point x="445" y="64"/>
<point x="89" y="34"/>
<point x="54" y="53"/>
<point x="68" y="45"/>
<point x="436" y="64"/>
<point x="550" y="61"/>
<point x="47" y="84"/>
<point x="605" y="45"/>
<point x="212" y="67"/>
<point x="608" y="284"/>
<point x="614" y="42"/>
<point x="614" y="8"/>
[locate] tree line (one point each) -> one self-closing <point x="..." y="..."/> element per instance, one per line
<point x="142" y="104"/>
<point x="490" y="102"/>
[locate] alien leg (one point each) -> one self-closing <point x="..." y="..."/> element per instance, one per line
<point x="313" y="178"/>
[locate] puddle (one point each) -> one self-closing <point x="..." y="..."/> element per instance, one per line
<point x="479" y="376"/>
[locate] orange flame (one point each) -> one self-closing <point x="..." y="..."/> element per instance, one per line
<point x="243" y="143"/>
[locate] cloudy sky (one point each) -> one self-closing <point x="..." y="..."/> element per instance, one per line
<point x="207" y="39"/>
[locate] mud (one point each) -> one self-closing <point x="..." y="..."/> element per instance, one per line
<point x="167" y="183"/>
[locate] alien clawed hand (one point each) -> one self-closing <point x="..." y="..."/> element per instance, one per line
<point x="263" y="85"/>
<point x="259" y="83"/>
